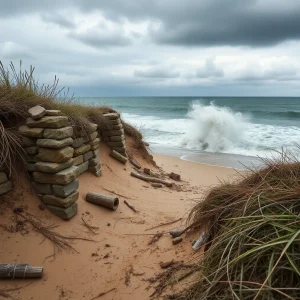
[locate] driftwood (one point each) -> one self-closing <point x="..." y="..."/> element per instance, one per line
<point x="106" y="201"/>
<point x="130" y="206"/>
<point x="135" y="163"/>
<point x="155" y="238"/>
<point x="174" y="176"/>
<point x="118" y="156"/>
<point x="177" y="240"/>
<point x="157" y="185"/>
<point x="151" y="179"/>
<point x="164" y="224"/>
<point x="20" y="271"/>
<point x="102" y="294"/>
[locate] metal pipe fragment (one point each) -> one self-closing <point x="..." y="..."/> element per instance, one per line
<point x="203" y="238"/>
<point x="176" y="232"/>
<point x="111" y="202"/>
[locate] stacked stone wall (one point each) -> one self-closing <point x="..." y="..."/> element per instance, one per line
<point x="5" y="183"/>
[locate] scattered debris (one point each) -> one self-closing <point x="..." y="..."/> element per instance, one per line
<point x="174" y="176"/>
<point x="103" y="293"/>
<point x="168" y="264"/>
<point x="130" y="206"/>
<point x="113" y="192"/>
<point x="203" y="238"/>
<point x="147" y="171"/>
<point x="157" y="185"/>
<point x="176" y="232"/>
<point x="89" y="227"/>
<point x="108" y="224"/>
<point x="177" y="240"/>
<point x="111" y="202"/>
<point x="127" y="275"/>
<point x="155" y="238"/>
<point x="42" y="206"/>
<point x="151" y="179"/>
<point x="116" y="155"/>
<point x="135" y="163"/>
<point x="20" y="271"/>
<point x="164" y="224"/>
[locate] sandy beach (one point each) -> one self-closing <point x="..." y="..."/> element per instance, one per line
<point x="118" y="257"/>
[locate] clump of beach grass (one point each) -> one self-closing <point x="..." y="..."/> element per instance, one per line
<point x="255" y="228"/>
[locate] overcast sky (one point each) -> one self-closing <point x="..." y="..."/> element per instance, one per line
<point x="157" y="47"/>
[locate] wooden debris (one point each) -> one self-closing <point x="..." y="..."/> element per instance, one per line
<point x="89" y="227"/>
<point x="155" y="238"/>
<point x="167" y="264"/>
<point x="104" y="293"/>
<point x="157" y="185"/>
<point x="130" y="206"/>
<point x="151" y="179"/>
<point x="111" y="202"/>
<point x="176" y="232"/>
<point x="147" y="171"/>
<point x="20" y="271"/>
<point x="118" y="156"/>
<point x="164" y="224"/>
<point x="174" y="176"/>
<point x="135" y="163"/>
<point x="177" y="240"/>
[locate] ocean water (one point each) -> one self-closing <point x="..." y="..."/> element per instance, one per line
<point x="221" y="131"/>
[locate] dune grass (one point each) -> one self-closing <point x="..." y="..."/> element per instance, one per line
<point x="255" y="228"/>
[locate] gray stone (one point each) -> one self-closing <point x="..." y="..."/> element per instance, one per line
<point x="77" y="142"/>
<point x="91" y="127"/>
<point x="27" y="142"/>
<point x="58" y="134"/>
<point x="55" y="155"/>
<point x="30" y="167"/>
<point x="42" y="188"/>
<point x="82" y="168"/>
<point x="3" y="177"/>
<point x="5" y="187"/>
<point x="96" y="153"/>
<point x="98" y="173"/>
<point x="112" y="116"/>
<point x="95" y="169"/>
<point x="65" y="190"/>
<point x="63" y="177"/>
<point x="49" y="122"/>
<point x="117" y="127"/>
<point x="88" y="155"/>
<point x="48" y="167"/>
<point x="30" y="158"/>
<point x="59" y="201"/>
<point x="93" y="162"/>
<point x="78" y="160"/>
<point x="33" y="150"/>
<point x="31" y="132"/>
<point x="119" y="138"/>
<point x="37" y="112"/>
<point x="95" y="142"/>
<point x="94" y="147"/>
<point x="55" y="144"/>
<point x="64" y="213"/>
<point x="121" y="150"/>
<point x="53" y="112"/>
<point x="114" y="122"/>
<point x="81" y="150"/>
<point x="111" y="133"/>
<point x="116" y="144"/>
<point x="93" y="136"/>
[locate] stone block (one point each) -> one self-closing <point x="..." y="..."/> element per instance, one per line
<point x="119" y="138"/>
<point x="48" y="167"/>
<point x="114" y="122"/>
<point x="116" y="144"/>
<point x="82" y="168"/>
<point x="95" y="169"/>
<point x="5" y="187"/>
<point x="111" y="133"/>
<point x="59" y="201"/>
<point x="91" y="127"/>
<point x="88" y="155"/>
<point x="65" y="190"/>
<point x="62" y="177"/>
<point x="37" y="112"/>
<point x="31" y="132"/>
<point x="93" y="136"/>
<point x="58" y="134"/>
<point x="117" y="127"/>
<point x="55" y="144"/>
<point x="98" y="173"/>
<point x="94" y="147"/>
<point x="77" y="142"/>
<point x="93" y="162"/>
<point x="81" y="150"/>
<point x="64" y="213"/>
<point x="95" y="142"/>
<point x="121" y="150"/>
<point x="3" y="177"/>
<point x="112" y="116"/>
<point x="78" y="160"/>
<point x="30" y="158"/>
<point x="42" y="188"/>
<point x="53" y="112"/>
<point x="30" y="167"/>
<point x="27" y="142"/>
<point x="96" y="153"/>
<point x="33" y="150"/>
<point x="49" y="122"/>
<point x="55" y="155"/>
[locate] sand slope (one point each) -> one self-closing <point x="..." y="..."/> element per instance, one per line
<point x="120" y="256"/>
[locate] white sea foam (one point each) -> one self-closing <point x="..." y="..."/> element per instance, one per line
<point x="216" y="129"/>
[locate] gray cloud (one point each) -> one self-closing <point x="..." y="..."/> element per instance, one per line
<point x="210" y="69"/>
<point x="156" y="73"/>
<point x="59" y="19"/>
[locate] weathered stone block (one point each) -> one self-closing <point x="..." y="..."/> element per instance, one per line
<point x="94" y="147"/>
<point x="111" y="133"/>
<point x="49" y="122"/>
<point x="5" y="187"/>
<point x="78" y="160"/>
<point x="55" y="155"/>
<point x="116" y="144"/>
<point x="62" y="177"/>
<point x="65" y="190"/>
<point x="93" y="162"/>
<point x="81" y="150"/>
<point x="88" y="155"/>
<point x="37" y="112"/>
<point x="95" y="169"/>
<point x="42" y="188"/>
<point x="118" y="138"/>
<point x="121" y="150"/>
<point x="55" y="144"/>
<point x="82" y="168"/>
<point x="117" y="127"/>
<point x="92" y="127"/>
<point x="59" y="201"/>
<point x="93" y="136"/>
<point x="95" y="142"/>
<point x="31" y="132"/>
<point x="64" y="213"/>
<point x="27" y="142"/>
<point x="77" y="142"/>
<point x="98" y="173"/>
<point x="30" y="167"/>
<point x="48" y="167"/>
<point x="3" y="177"/>
<point x="112" y="116"/>
<point x="96" y="153"/>
<point x="30" y="158"/>
<point x="58" y="134"/>
<point x="53" y="112"/>
<point x="33" y="150"/>
<point x="114" y="122"/>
